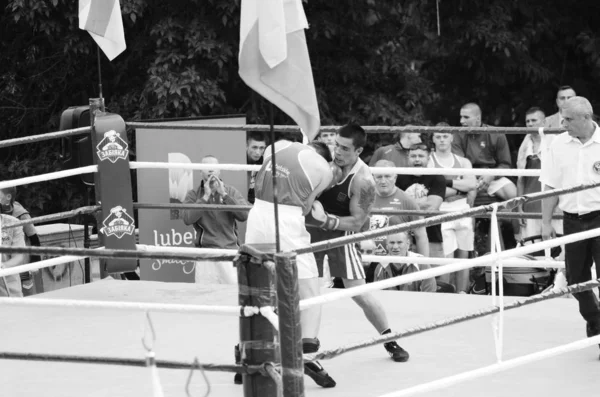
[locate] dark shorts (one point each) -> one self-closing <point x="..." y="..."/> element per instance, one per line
<point x="344" y="262"/>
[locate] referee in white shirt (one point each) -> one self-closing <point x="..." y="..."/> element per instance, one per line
<point x="573" y="160"/>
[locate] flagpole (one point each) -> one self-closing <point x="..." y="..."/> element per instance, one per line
<point x="273" y="174"/>
<point x="102" y="109"/>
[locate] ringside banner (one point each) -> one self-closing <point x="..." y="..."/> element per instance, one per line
<point x="163" y="227"/>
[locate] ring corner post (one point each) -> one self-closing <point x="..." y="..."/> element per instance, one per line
<point x="259" y="341"/>
<point x="290" y="330"/>
<point x="116" y="223"/>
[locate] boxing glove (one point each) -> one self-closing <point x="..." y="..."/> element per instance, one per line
<point x="317" y="217"/>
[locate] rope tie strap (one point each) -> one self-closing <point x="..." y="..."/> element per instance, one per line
<point x="497" y="319"/>
<point x="268" y="313"/>
<point x="575" y="288"/>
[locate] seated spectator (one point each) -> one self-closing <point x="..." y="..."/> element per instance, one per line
<point x="10" y="286"/>
<point x="458" y="235"/>
<point x="397" y="153"/>
<point x="13" y="208"/>
<point x="255" y="148"/>
<point x="398" y="244"/>
<point x="390" y="197"/>
<point x="368" y="247"/>
<point x="484" y="150"/>
<point x="215" y="229"/>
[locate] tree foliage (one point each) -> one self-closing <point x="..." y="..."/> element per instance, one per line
<point x="374" y="62"/>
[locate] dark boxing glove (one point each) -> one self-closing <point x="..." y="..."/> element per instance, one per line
<point x="317" y="217"/>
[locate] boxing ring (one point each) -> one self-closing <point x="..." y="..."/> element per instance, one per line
<point x="144" y="338"/>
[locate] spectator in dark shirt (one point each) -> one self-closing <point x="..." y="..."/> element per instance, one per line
<point x="215" y="229"/>
<point x="397" y="152"/>
<point x="428" y="191"/>
<point x="255" y="148"/>
<point x="485" y="150"/>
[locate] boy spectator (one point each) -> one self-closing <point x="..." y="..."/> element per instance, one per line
<point x="458" y="235"/>
<point x="255" y="149"/>
<point x="10" y="286"/>
<point x="13" y="208"/>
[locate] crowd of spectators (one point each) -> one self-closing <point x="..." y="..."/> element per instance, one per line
<point x="420" y="192"/>
<point x="219" y="229"/>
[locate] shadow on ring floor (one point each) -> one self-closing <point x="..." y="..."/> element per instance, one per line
<point x="366" y="373"/>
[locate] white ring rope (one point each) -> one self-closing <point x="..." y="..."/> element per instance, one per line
<point x="440" y="270"/>
<point x="491" y="369"/>
<point x="446" y="261"/>
<point x="375" y="170"/>
<point x="50" y="176"/>
<point x="243" y="167"/>
<point x="186" y="250"/>
<point x="125" y="306"/>
<point x="30" y="267"/>
<point x="497" y="298"/>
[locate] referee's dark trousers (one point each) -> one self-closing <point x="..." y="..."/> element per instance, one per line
<point x="579" y="257"/>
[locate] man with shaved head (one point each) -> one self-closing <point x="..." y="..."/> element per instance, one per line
<point x="484" y="150"/>
<point x="572" y="160"/>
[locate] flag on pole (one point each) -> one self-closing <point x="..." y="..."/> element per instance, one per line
<point x="103" y="20"/>
<point x="274" y="61"/>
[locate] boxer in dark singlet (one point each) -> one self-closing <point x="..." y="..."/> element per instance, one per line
<point x="343" y="210"/>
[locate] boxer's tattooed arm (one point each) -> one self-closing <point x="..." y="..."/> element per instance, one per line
<point x="367" y="197"/>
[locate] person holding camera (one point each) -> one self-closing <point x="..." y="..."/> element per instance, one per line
<point x="215" y="229"/>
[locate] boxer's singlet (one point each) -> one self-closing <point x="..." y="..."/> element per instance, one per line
<point x="293" y="184"/>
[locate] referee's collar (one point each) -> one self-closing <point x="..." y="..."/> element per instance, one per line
<point x="595" y="136"/>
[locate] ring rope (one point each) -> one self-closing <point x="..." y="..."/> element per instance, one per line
<point x="226" y="207"/>
<point x="440" y="270"/>
<point x="335" y="128"/>
<point x="31" y="267"/>
<point x="130" y="362"/>
<point x="375" y="170"/>
<point x="49" y="176"/>
<point x="375" y="211"/>
<point x="56" y="216"/>
<point x="494" y="368"/>
<point x="508" y="204"/>
<point x="446" y="261"/>
<point x="44" y="137"/>
<point x="242" y="311"/>
<point x="572" y="289"/>
<point x="143" y="252"/>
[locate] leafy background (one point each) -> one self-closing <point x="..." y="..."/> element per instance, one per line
<point x="376" y="62"/>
